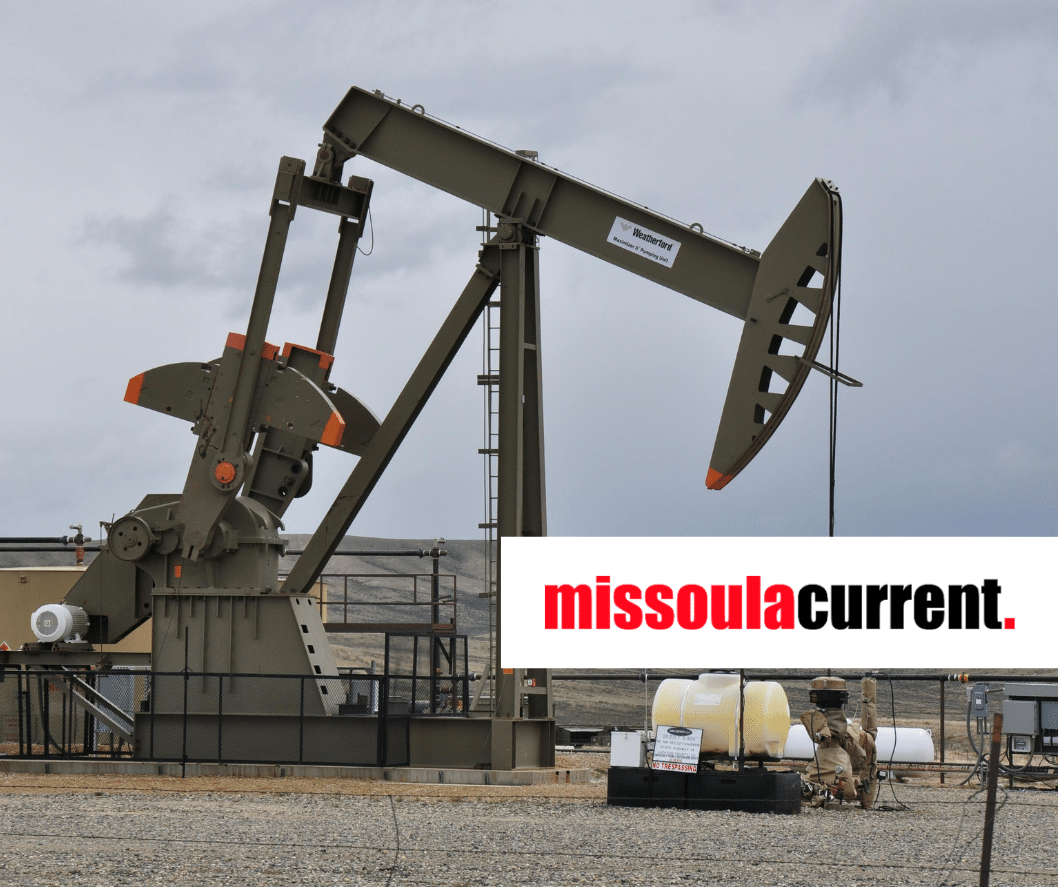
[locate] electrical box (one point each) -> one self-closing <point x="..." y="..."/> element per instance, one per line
<point x="1030" y="718"/>
<point x="979" y="701"/>
<point x="1049" y="725"/>
<point x="1021" y="745"/>
<point x="627" y="749"/>
<point x="1019" y="717"/>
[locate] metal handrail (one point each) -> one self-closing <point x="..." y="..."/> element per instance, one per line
<point x="435" y="601"/>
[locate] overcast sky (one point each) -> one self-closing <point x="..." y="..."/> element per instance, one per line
<point x="140" y="143"/>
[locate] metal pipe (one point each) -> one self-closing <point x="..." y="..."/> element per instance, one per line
<point x="807" y="676"/>
<point x="5" y="540"/>
<point x="641" y="676"/>
<point x="381" y="552"/>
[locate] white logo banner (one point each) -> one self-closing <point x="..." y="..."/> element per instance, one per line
<point x="947" y="603"/>
<point x="644" y="242"/>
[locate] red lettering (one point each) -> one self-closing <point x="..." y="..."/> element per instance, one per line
<point x="662" y="617"/>
<point x="727" y="614"/>
<point x="753" y="602"/>
<point x="630" y="617"/>
<point x="692" y="606"/>
<point x="602" y="601"/>
<point x="575" y="598"/>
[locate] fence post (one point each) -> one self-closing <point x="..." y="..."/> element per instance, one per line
<point x="301" y="724"/>
<point x="990" y="803"/>
<point x="220" y="719"/>
<point x="466" y="680"/>
<point x="187" y="677"/>
<point x="21" y="714"/>
<point x="45" y="713"/>
<point x="64" y="727"/>
<point x="415" y="668"/>
<point x="183" y="751"/>
<point x="943" y="694"/>
<point x="383" y="709"/>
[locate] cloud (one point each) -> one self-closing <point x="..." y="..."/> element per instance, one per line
<point x="1019" y="459"/>
<point x="164" y="250"/>
<point x="892" y="51"/>
<point x="161" y="128"/>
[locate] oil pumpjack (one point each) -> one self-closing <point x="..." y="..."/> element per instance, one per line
<point x="203" y="563"/>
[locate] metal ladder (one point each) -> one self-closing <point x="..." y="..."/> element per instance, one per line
<point x="490" y="382"/>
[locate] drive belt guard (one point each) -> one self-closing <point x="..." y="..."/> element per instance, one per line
<point x="777" y="348"/>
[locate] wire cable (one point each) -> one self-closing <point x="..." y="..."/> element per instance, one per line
<point x="976" y="771"/>
<point x="371" y="222"/>
<point x="973" y="839"/>
<point x="892" y="754"/>
<point x="620" y="860"/>
<point x="396" y="841"/>
<point x="835" y="348"/>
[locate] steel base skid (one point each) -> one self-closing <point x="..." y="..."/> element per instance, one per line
<point x="750" y="791"/>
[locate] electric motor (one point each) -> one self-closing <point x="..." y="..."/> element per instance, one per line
<point x="58" y="622"/>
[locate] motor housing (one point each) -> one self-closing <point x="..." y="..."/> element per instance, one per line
<point x="59" y="622"/>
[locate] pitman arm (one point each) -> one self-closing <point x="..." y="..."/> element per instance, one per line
<point x="254" y="388"/>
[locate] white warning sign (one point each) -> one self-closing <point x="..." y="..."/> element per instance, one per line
<point x="677" y="748"/>
<point x="644" y="242"/>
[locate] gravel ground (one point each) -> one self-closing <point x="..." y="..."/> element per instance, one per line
<point x="115" y="831"/>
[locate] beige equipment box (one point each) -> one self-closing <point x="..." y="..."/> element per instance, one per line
<point x="24" y="589"/>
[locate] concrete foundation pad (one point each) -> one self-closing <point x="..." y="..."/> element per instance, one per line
<point x="425" y="775"/>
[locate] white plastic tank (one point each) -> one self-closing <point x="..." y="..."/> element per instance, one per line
<point x="903" y="745"/>
<point x="711" y="704"/>
<point x="58" y="622"/>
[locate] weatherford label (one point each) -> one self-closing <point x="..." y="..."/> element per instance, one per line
<point x="779" y="603"/>
<point x="644" y="242"/>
